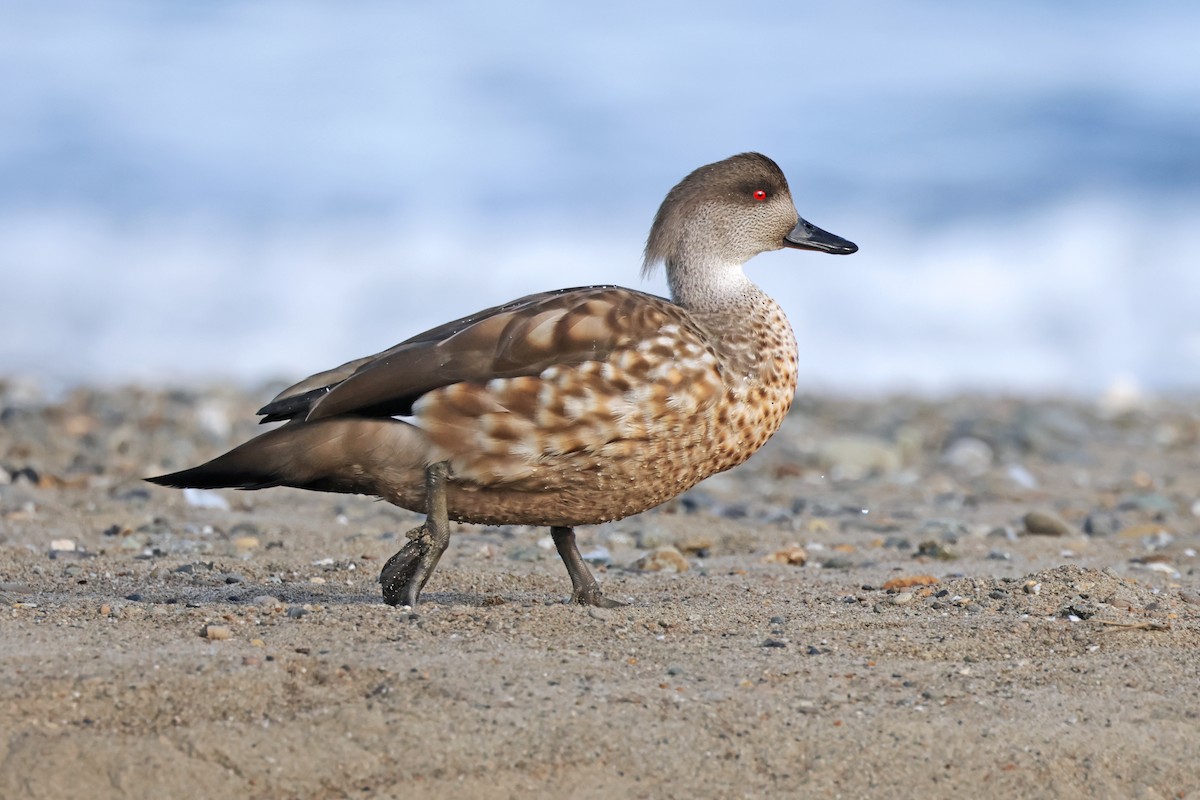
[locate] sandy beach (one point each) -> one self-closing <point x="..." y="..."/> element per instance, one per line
<point x="897" y="597"/>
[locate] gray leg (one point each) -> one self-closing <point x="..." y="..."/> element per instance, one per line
<point x="584" y="589"/>
<point x="405" y="574"/>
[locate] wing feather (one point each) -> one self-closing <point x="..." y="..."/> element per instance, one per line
<point x="520" y="338"/>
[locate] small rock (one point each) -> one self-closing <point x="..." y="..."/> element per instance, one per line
<point x="697" y="544"/>
<point x="795" y="556"/>
<point x="969" y="456"/>
<point x="1150" y="531"/>
<point x="598" y="555"/>
<point x="856" y="457"/>
<point x="132" y="543"/>
<point x="775" y="643"/>
<point x="267" y="601"/>
<point x="903" y="598"/>
<point x="653" y="535"/>
<point x="1021" y="476"/>
<point x="205" y="498"/>
<point x="1190" y="597"/>
<point x="935" y="550"/>
<point x="1101" y="523"/>
<point x="1153" y="503"/>
<point x="664" y="559"/>
<point x="1032" y="587"/>
<point x="246" y="542"/>
<point x="296" y="612"/>
<point x="909" y="581"/>
<point x="217" y="632"/>
<point x="1042" y="523"/>
<point x="62" y="546"/>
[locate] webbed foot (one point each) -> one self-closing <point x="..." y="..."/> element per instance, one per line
<point x="406" y="573"/>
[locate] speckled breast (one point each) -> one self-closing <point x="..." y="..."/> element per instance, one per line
<point x="602" y="440"/>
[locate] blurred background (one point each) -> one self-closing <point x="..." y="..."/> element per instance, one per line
<point x="260" y="190"/>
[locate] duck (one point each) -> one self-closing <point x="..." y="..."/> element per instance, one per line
<point x="564" y="408"/>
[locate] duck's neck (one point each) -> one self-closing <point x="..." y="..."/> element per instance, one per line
<point x="748" y="328"/>
<point x="710" y="285"/>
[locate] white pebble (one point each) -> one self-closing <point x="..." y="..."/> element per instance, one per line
<point x="63" y="545"/>
<point x="205" y="498"/>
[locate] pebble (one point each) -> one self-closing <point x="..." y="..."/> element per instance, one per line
<point x="62" y="546"/>
<point x="1043" y="523"/>
<point x="205" y="498"/>
<point x="296" y="612"/>
<point x="664" y="559"/>
<point x="1154" y="503"/>
<point x="1021" y="476"/>
<point x="598" y="555"/>
<point x="1032" y="587"/>
<point x="934" y="550"/>
<point x="697" y="544"/>
<point x="775" y="643"/>
<point x="856" y="457"/>
<point x="903" y="598"/>
<point x="217" y="632"/>
<point x="909" y="581"/>
<point x="653" y="535"/>
<point x="1144" y="530"/>
<point x="1101" y="523"/>
<point x="969" y="455"/>
<point x="795" y="556"/>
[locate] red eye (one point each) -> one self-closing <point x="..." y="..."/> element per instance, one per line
<point x="760" y="195"/>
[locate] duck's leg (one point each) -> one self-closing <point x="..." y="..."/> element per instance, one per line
<point x="584" y="589"/>
<point x="405" y="574"/>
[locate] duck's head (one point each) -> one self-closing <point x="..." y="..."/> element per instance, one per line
<point x="728" y="212"/>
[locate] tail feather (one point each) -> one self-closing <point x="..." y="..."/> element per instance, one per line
<point x="332" y="455"/>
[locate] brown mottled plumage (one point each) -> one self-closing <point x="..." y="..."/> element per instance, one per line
<point x="565" y="408"/>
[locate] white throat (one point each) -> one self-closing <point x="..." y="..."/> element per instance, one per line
<point x="710" y="285"/>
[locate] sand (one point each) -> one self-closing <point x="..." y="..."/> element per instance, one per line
<point x="863" y="612"/>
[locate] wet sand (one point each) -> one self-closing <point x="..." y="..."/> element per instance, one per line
<point x="867" y="609"/>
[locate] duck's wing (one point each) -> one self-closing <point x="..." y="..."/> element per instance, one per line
<point x="523" y="337"/>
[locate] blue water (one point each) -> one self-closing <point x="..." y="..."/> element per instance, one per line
<point x="258" y="190"/>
